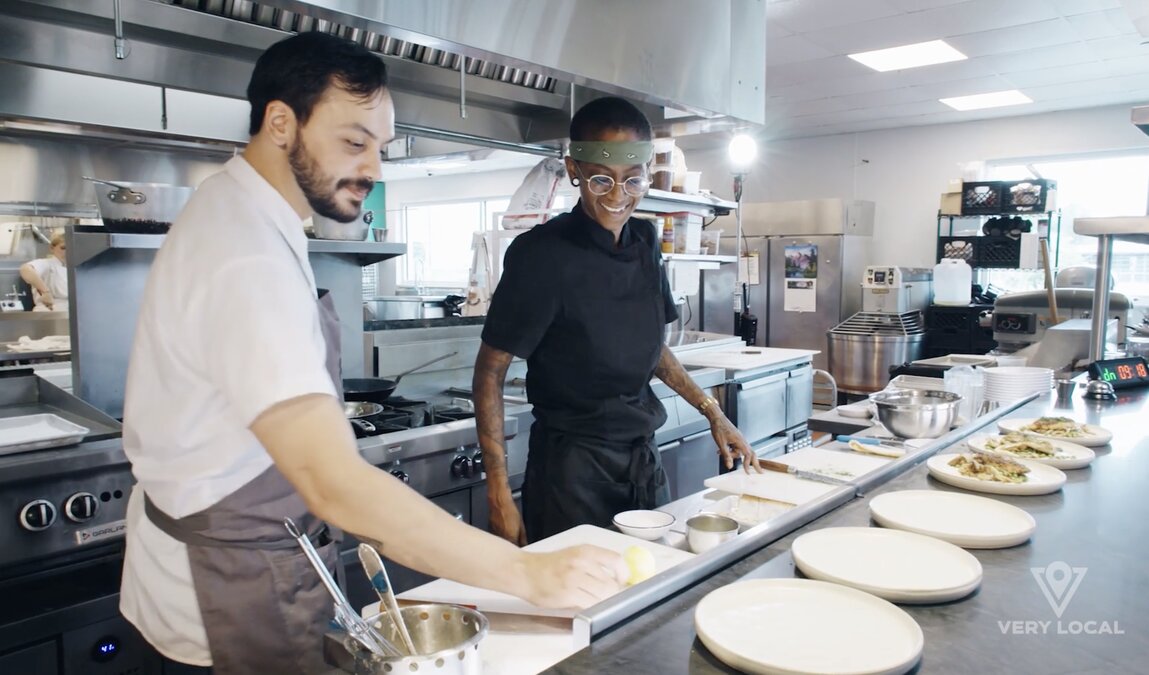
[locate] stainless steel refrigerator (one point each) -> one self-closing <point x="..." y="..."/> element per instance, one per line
<point x="811" y="256"/>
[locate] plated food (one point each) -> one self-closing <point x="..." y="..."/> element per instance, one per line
<point x="990" y="467"/>
<point x="1051" y="451"/>
<point x="996" y="474"/>
<point x="1061" y="428"/>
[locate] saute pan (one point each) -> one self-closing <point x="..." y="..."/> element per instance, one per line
<point x="377" y="389"/>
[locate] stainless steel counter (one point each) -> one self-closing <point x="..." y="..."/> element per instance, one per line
<point x="1095" y="522"/>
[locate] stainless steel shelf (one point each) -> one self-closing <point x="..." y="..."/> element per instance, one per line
<point x="661" y="201"/>
<point x="690" y="257"/>
<point x="91" y="241"/>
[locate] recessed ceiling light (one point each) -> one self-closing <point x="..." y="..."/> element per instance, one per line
<point x="994" y="99"/>
<point x="909" y="56"/>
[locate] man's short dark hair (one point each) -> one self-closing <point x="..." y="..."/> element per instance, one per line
<point x="298" y="71"/>
<point x="607" y="113"/>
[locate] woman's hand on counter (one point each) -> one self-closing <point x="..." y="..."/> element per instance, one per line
<point x="731" y="444"/>
<point x="579" y="576"/>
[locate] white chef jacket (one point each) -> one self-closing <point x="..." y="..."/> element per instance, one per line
<point x="228" y="327"/>
<point x="54" y="274"/>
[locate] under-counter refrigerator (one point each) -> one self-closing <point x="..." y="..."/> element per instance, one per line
<point x="805" y="266"/>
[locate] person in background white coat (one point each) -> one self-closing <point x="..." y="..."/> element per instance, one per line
<point x="48" y="278"/>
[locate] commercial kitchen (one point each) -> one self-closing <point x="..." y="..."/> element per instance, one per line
<point x="926" y="318"/>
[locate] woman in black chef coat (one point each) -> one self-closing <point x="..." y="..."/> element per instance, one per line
<point x="585" y="300"/>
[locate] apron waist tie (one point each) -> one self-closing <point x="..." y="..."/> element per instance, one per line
<point x="187" y="530"/>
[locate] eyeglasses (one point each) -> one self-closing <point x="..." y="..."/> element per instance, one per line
<point x="601" y="184"/>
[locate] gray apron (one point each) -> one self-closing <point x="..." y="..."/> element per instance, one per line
<point x="264" y="608"/>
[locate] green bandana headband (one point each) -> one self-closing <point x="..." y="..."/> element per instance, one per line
<point x="612" y="152"/>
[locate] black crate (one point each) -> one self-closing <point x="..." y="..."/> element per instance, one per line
<point x="1027" y="196"/>
<point x="981" y="197"/>
<point x="961" y="248"/>
<point x="999" y="252"/>
<point x="945" y="320"/>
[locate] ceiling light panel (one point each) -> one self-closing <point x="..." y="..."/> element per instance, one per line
<point x="994" y="99"/>
<point x="909" y="56"/>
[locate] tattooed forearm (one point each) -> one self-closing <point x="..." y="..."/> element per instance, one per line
<point x="487" y="385"/>
<point x="670" y="371"/>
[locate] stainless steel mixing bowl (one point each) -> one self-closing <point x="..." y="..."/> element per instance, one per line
<point x="917" y="413"/>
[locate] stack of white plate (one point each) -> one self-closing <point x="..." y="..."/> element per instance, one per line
<point x="1008" y="383"/>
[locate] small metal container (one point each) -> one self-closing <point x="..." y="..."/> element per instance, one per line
<point x="917" y="413"/>
<point x="707" y="530"/>
<point x="326" y="228"/>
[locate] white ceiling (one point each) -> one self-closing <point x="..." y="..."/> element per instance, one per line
<point x="1063" y="54"/>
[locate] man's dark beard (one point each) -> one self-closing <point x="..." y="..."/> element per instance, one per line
<point x="312" y="181"/>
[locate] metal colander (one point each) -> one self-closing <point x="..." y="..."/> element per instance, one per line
<point x="447" y="638"/>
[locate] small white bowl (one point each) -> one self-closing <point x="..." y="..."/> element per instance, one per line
<point x="648" y="525"/>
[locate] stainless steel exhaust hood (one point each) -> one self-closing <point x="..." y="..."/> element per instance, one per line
<point x="526" y="63"/>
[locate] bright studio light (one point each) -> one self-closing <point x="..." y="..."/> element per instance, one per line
<point x="743" y="149"/>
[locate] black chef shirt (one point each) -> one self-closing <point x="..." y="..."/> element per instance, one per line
<point x="589" y="319"/>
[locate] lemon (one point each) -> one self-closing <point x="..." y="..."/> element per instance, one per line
<point x="640" y="562"/>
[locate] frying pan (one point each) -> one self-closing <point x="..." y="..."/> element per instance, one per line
<point x="356" y="411"/>
<point x="377" y="389"/>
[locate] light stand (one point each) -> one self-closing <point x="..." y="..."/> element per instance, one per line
<point x="742" y="151"/>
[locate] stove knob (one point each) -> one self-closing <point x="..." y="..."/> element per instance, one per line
<point x="462" y="467"/>
<point x="401" y="475"/>
<point x="37" y="515"/>
<point x="477" y="465"/>
<point x="81" y="507"/>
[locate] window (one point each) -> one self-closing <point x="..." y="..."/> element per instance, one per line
<point x="439" y="238"/>
<point x="1111" y="185"/>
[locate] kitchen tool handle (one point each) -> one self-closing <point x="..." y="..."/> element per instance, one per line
<point x="107" y="182"/>
<point x="347" y="616"/>
<point x="870" y="440"/>
<point x="377" y="574"/>
<point x="424" y="365"/>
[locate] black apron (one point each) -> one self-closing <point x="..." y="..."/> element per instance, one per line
<point x="573" y="479"/>
<point x="264" y="607"/>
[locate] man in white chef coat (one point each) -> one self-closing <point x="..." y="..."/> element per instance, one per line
<point x="233" y="418"/>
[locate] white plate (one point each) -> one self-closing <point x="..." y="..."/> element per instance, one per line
<point x="892" y="564"/>
<point x="963" y="520"/>
<point x="1097" y="435"/>
<point x="1069" y="455"/>
<point x="799" y="626"/>
<point x="1041" y="479"/>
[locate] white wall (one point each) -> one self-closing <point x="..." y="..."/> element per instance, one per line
<point x="904" y="170"/>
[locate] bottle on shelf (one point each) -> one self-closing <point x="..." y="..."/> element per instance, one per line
<point x="953" y="279"/>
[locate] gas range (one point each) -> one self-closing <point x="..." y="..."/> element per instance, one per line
<point x="432" y="445"/>
<point x="401" y="413"/>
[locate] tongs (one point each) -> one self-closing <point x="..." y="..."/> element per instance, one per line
<point x="345" y="615"/>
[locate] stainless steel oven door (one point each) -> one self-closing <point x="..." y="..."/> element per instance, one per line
<point x="760" y="407"/>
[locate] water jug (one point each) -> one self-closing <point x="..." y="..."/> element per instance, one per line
<point x="952" y="281"/>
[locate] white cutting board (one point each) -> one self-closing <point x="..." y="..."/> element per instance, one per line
<point x="779" y="487"/>
<point x="845" y="464"/>
<point x="744" y="358"/>
<point x="443" y="590"/>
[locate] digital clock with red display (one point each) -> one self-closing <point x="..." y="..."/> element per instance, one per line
<point x="1121" y="373"/>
